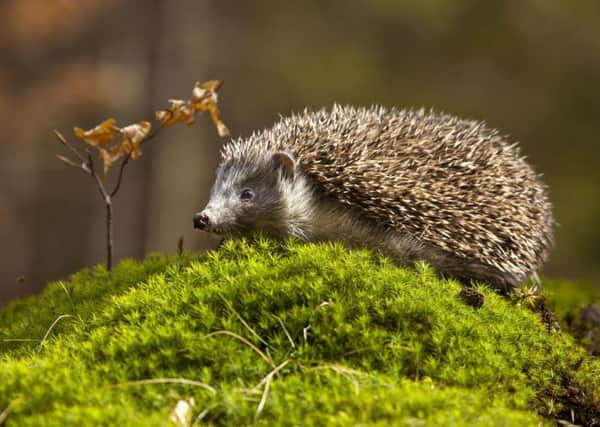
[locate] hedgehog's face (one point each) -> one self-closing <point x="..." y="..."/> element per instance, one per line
<point x="247" y="197"/>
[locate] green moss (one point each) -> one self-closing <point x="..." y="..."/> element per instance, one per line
<point x="352" y="338"/>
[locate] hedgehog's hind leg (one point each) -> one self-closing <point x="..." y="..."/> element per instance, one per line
<point x="503" y="282"/>
<point x="467" y="270"/>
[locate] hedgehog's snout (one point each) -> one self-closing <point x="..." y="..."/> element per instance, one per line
<point x="215" y="218"/>
<point x="201" y="220"/>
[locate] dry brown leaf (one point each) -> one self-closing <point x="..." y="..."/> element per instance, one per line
<point x="206" y="91"/>
<point x="108" y="158"/>
<point x="99" y="136"/>
<point x="221" y="128"/>
<point x="126" y="148"/>
<point x="164" y="117"/>
<point x="102" y="135"/>
<point x="204" y="95"/>
<point x="212" y="85"/>
<point x="133" y="135"/>
<point x="180" y="111"/>
<point x="137" y="132"/>
<point x="204" y="98"/>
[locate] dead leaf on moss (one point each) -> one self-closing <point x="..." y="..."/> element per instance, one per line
<point x="181" y="414"/>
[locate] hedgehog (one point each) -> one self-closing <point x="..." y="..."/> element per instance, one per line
<point x="414" y="185"/>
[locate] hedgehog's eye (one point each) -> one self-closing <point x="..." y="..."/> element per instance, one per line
<point x="247" y="194"/>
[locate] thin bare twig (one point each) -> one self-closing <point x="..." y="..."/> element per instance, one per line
<point x="120" y="177"/>
<point x="99" y="183"/>
<point x="88" y="167"/>
<point x="125" y="161"/>
<point x="71" y="148"/>
<point x="83" y="167"/>
<point x="152" y="134"/>
<point x="108" y="204"/>
<point x="109" y="232"/>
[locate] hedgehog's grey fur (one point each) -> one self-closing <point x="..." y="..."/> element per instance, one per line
<point x="415" y="185"/>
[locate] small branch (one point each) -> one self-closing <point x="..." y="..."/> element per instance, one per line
<point x="72" y="149"/>
<point x="125" y="161"/>
<point x="102" y="138"/>
<point x="83" y="167"/>
<point x="108" y="203"/>
<point x="120" y="177"/>
<point x="75" y="152"/>
<point x="109" y="237"/>
<point x="99" y="183"/>
<point x="87" y="166"/>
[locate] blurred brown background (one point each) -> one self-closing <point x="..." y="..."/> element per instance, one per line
<point x="528" y="67"/>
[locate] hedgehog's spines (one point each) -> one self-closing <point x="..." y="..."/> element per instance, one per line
<point x="455" y="184"/>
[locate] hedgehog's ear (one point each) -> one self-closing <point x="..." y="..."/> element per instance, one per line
<point x="286" y="164"/>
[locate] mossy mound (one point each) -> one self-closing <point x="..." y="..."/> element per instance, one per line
<point x="278" y="333"/>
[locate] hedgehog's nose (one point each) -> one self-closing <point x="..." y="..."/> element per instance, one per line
<point x="200" y="220"/>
